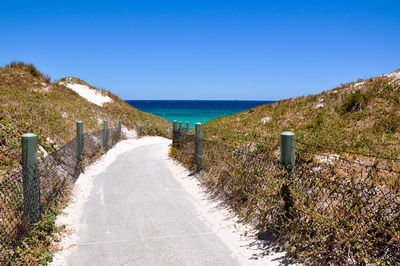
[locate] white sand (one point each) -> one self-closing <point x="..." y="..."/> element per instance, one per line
<point x="82" y="187"/>
<point x="266" y="119"/>
<point x="129" y="134"/>
<point x="241" y="239"/>
<point x="359" y="84"/>
<point x="319" y="105"/>
<point x="328" y="159"/>
<point x="93" y="96"/>
<point x="394" y="75"/>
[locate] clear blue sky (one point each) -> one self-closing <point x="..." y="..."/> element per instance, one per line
<point x="259" y="50"/>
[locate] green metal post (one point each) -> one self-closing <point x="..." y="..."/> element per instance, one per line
<point x="105" y="134"/>
<point x="287" y="148"/>
<point x="80" y="139"/>
<point x="288" y="160"/>
<point x="31" y="178"/>
<point x="198" y="148"/>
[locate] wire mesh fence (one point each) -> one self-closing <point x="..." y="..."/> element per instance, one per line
<point x="330" y="209"/>
<point x="55" y="171"/>
<point x="351" y="209"/>
<point x="185" y="142"/>
<point x="12" y="224"/>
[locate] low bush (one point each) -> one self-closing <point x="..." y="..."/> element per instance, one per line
<point x="30" y="68"/>
<point x="356" y="101"/>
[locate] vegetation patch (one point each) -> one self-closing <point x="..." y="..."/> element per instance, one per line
<point x="340" y="204"/>
<point x="38" y="245"/>
<point x="30" y="102"/>
<point x="30" y="68"/>
<point x="356" y="101"/>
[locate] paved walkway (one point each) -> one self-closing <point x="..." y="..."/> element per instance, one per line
<point x="138" y="214"/>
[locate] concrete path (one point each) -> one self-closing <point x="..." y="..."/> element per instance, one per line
<point x="138" y="214"/>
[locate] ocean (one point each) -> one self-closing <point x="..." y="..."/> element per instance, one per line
<point x="193" y="111"/>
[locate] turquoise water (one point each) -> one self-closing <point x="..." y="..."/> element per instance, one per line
<point x="194" y="111"/>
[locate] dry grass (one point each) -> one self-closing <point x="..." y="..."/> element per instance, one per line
<point x="328" y="211"/>
<point x="29" y="103"/>
<point x="363" y="118"/>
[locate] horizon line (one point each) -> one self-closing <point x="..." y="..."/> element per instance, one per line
<point x="202" y="100"/>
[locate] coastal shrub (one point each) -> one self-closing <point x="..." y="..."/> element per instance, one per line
<point x="316" y="121"/>
<point x="36" y="248"/>
<point x="29" y="68"/>
<point x="387" y="124"/>
<point x="184" y="153"/>
<point x="356" y="101"/>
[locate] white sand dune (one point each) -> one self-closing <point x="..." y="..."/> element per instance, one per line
<point x="89" y="94"/>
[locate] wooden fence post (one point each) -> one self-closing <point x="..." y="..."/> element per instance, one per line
<point x="31" y="178"/>
<point x="174" y="131"/>
<point x="180" y="129"/>
<point x="187" y="126"/>
<point x="180" y="133"/>
<point x="105" y="134"/>
<point x="119" y="130"/>
<point x="198" y="148"/>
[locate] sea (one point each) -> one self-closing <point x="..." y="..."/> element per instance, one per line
<point x="193" y="111"/>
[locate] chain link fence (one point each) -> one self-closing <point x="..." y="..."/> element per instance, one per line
<point x="328" y="209"/>
<point x="55" y="172"/>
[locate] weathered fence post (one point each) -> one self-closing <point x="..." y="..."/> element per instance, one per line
<point x="180" y="127"/>
<point x="198" y="148"/>
<point x="31" y="178"/>
<point x="105" y="134"/>
<point x="174" y="131"/>
<point x="288" y="160"/>
<point x="79" y="139"/>
<point x="187" y="126"/>
<point x="287" y="148"/>
<point x="180" y="133"/>
<point x="119" y="129"/>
